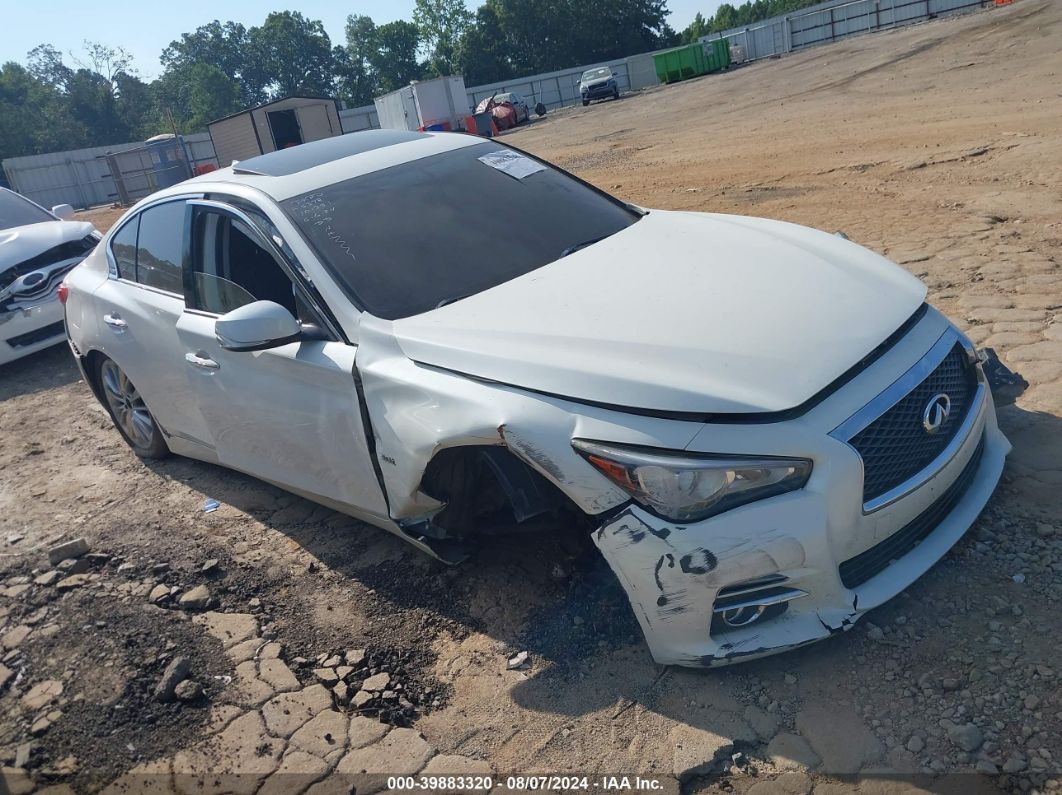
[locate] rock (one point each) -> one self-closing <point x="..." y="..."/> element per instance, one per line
<point x="365" y="731"/>
<point x="1015" y="764"/>
<point x="327" y="676"/>
<point x="275" y="672"/>
<point x="322" y="735"/>
<point x="402" y="752"/>
<point x="695" y="751"/>
<point x="791" y="752"/>
<point x="175" y="673"/>
<point x="354" y="657"/>
<point x="196" y="599"/>
<point x="287" y="712"/>
<point x="342" y="693"/>
<point x="5" y="676"/>
<point x="159" y="593"/>
<point x="45" y="722"/>
<point x="916" y="744"/>
<point x="838" y="736"/>
<point x="518" y="661"/>
<point x="343" y="671"/>
<point x="22" y="754"/>
<point x="209" y="566"/>
<point x="14" y="637"/>
<point x="41" y="695"/>
<point x="188" y="690"/>
<point x="377" y="683"/>
<point x="240" y="759"/>
<point x="790" y="679"/>
<point x="986" y="768"/>
<point x="1031" y="702"/>
<point x="68" y="549"/>
<point x="158" y="569"/>
<point x="229" y="628"/>
<point x="950" y="684"/>
<point x="875" y="632"/>
<point x="48" y="578"/>
<point x="967" y="737"/>
<point x="73" y="581"/>
<point x="332" y="661"/>
<point x="15" y="781"/>
<point x="361" y="698"/>
<point x="297" y="771"/>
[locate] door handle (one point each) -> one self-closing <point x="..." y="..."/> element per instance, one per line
<point x="201" y="361"/>
<point x="114" y="320"/>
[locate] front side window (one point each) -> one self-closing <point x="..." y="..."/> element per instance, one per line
<point x="410" y="238"/>
<point x="230" y="267"/>
<point x="160" y="247"/>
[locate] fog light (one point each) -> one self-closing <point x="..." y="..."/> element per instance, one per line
<point x="746" y="603"/>
<point x="742" y="616"/>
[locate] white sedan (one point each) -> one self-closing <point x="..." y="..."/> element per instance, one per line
<point x="37" y="249"/>
<point x="764" y="429"/>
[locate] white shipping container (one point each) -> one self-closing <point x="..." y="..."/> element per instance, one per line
<point x="425" y="103"/>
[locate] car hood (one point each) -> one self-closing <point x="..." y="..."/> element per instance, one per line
<point x="680" y="312"/>
<point x="20" y="243"/>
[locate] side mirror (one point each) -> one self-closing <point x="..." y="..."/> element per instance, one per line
<point x="64" y="212"/>
<point x="256" y="327"/>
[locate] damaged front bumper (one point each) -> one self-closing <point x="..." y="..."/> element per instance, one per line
<point x="785" y="554"/>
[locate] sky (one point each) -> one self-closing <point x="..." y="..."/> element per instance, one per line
<point x="145" y="28"/>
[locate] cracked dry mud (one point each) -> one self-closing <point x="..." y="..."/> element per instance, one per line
<point x="947" y="161"/>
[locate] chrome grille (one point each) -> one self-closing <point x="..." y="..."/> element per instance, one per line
<point x="896" y="446"/>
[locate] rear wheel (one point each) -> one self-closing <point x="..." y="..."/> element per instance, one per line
<point x="131" y="416"/>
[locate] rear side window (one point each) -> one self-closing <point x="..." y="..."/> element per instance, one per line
<point x="123" y="247"/>
<point x="160" y="247"/>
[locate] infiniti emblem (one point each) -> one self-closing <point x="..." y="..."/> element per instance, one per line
<point x="936" y="413"/>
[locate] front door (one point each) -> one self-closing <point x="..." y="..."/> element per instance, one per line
<point x="289" y="414"/>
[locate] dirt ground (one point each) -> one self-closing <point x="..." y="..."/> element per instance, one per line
<point x="939" y="146"/>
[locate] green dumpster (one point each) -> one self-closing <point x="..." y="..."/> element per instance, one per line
<point x="717" y="55"/>
<point x="680" y="63"/>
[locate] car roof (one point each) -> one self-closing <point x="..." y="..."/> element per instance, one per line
<point x="300" y="169"/>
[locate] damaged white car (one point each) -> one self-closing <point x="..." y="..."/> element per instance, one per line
<point x="764" y="428"/>
<point x="37" y="249"/>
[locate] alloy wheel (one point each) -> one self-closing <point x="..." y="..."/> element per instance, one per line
<point x="127" y="405"/>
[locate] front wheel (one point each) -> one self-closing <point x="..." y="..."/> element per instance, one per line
<point x="131" y="416"/>
<point x="615" y="94"/>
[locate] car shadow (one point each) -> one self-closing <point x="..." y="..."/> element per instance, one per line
<point x="53" y="367"/>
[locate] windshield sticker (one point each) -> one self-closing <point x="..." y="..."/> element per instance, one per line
<point x="512" y="163"/>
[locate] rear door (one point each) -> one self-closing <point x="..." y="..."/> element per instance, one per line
<point x="139" y="307"/>
<point x="290" y="414"/>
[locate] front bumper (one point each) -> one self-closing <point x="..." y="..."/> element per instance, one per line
<point x="796" y="543"/>
<point x="598" y="92"/>
<point x="24" y="331"/>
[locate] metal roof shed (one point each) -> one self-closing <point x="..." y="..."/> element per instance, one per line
<point x="274" y="125"/>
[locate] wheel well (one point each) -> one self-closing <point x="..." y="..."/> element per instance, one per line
<point x="490" y="491"/>
<point x="92" y="374"/>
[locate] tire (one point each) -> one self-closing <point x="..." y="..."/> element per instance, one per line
<point x="540" y="109"/>
<point x="615" y="94"/>
<point x="128" y="411"/>
<point x="586" y="102"/>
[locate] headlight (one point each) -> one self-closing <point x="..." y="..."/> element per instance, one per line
<point x="687" y="488"/>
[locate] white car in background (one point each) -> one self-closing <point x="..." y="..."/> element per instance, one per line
<point x="37" y="249"/>
<point x="764" y="429"/>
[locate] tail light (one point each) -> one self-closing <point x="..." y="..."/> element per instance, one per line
<point x="63" y="292"/>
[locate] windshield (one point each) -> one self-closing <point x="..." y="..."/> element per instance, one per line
<point x="410" y="238"/>
<point x="17" y="211"/>
<point x="596" y="74"/>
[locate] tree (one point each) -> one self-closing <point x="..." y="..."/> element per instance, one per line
<point x="697" y="28"/>
<point x="394" y="61"/>
<point x="225" y="47"/>
<point x="34" y="116"/>
<point x="295" y="53"/>
<point x="354" y="70"/>
<point x="482" y="53"/>
<point x="46" y="64"/>
<point x="441" y="23"/>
